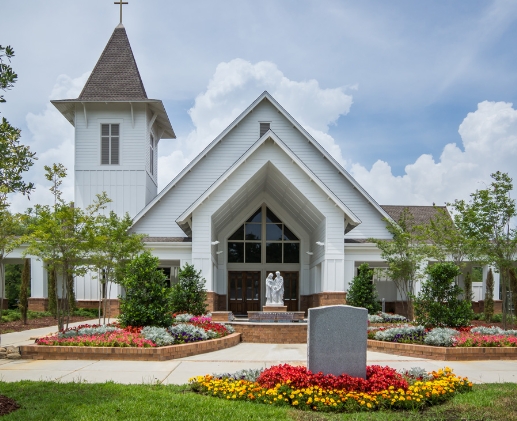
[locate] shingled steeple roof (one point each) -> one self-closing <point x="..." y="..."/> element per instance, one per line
<point x="115" y="76"/>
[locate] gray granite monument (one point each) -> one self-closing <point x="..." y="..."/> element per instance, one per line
<point x="336" y="340"/>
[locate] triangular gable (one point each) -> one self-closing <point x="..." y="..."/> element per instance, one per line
<point x="245" y="113"/>
<point x="182" y="220"/>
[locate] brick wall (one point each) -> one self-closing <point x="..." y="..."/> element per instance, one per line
<point x="215" y="302"/>
<point x="41" y="304"/>
<point x="479" y="306"/>
<point x="321" y="299"/>
<point x="272" y="333"/>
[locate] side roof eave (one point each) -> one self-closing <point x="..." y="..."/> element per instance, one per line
<point x="212" y="144"/>
<point x="67" y="108"/>
<point x="182" y="219"/>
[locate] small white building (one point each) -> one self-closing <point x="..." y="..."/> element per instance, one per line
<point x="264" y="196"/>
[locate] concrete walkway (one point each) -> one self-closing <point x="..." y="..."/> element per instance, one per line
<point x="244" y="355"/>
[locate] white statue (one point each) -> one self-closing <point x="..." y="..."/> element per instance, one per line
<point x="278" y="290"/>
<point x="270" y="283"/>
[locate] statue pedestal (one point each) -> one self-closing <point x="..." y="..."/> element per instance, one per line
<point x="274" y="308"/>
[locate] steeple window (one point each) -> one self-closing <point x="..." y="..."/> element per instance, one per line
<point x="110" y="144"/>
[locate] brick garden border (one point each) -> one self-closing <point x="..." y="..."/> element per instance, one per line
<point x="444" y="353"/>
<point x="272" y="333"/>
<point x="42" y="352"/>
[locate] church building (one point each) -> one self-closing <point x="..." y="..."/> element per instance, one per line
<point x="263" y="196"/>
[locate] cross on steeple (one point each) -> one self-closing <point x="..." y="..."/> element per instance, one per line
<point x="121" y="3"/>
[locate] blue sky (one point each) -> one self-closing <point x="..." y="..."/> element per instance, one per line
<point x="384" y="86"/>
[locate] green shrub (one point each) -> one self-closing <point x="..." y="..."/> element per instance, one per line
<point x="147" y="299"/>
<point x="361" y="292"/>
<point x="189" y="294"/>
<point x="437" y="304"/>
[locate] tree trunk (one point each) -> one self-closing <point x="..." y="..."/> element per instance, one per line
<point x="24" y="290"/>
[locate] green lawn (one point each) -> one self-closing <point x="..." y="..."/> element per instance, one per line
<point x="109" y="401"/>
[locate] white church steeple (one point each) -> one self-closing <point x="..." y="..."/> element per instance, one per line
<point x="117" y="130"/>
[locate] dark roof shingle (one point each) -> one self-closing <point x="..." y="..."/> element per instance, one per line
<point x="421" y="214"/>
<point x="115" y="76"/>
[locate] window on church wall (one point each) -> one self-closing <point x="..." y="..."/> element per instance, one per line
<point x="151" y="154"/>
<point x="263" y="231"/>
<point x="110" y="144"/>
<point x="264" y="127"/>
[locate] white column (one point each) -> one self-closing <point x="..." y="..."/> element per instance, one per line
<point x="39" y="281"/>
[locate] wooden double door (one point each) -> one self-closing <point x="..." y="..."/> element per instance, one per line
<point x="245" y="293"/>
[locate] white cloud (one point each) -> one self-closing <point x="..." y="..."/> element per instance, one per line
<point x="489" y="140"/>
<point x="51" y="136"/>
<point x="234" y="86"/>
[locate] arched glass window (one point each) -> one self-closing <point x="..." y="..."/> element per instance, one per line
<point x="263" y="231"/>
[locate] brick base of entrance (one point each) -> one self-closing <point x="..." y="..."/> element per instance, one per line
<point x="41" y="304"/>
<point x="321" y="299"/>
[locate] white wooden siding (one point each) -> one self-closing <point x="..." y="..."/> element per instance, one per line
<point x="129" y="184"/>
<point x="160" y="220"/>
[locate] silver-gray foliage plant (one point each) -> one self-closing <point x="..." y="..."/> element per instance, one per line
<point x="441" y="336"/>
<point x="182" y="318"/>
<point x="98" y="330"/>
<point x="389" y="334"/>
<point x="493" y="330"/>
<point x="246" y="374"/>
<point x="191" y="330"/>
<point x="158" y="335"/>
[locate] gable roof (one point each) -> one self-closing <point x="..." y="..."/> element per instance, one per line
<point x="265" y="95"/>
<point x="422" y="214"/>
<point x="115" y="77"/>
<point x="183" y="218"/>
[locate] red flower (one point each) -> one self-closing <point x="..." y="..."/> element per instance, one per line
<point x="377" y="378"/>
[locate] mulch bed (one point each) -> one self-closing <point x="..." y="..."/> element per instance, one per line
<point x="18" y="326"/>
<point x="7" y="405"/>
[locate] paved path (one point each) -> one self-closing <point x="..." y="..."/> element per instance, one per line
<point x="244" y="355"/>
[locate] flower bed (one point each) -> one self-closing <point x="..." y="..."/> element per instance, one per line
<point x="384" y="388"/>
<point x="188" y="329"/>
<point x="447" y="337"/>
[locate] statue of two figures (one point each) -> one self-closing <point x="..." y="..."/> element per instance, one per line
<point x="274" y="290"/>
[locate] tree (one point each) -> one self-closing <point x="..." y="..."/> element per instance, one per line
<point x="448" y="239"/>
<point x="59" y="236"/>
<point x="405" y="255"/>
<point x="362" y="292"/>
<point x="9" y="238"/>
<point x="438" y="303"/>
<point x="189" y="294"/>
<point x="513" y="286"/>
<point x="24" y="290"/>
<point x="147" y="298"/>
<point x="489" y="296"/>
<point x="486" y="220"/>
<point x="113" y="246"/>
<point x="467" y="287"/>
<point x="16" y="158"/>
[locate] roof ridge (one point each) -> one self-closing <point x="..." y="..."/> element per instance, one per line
<point x="116" y="75"/>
